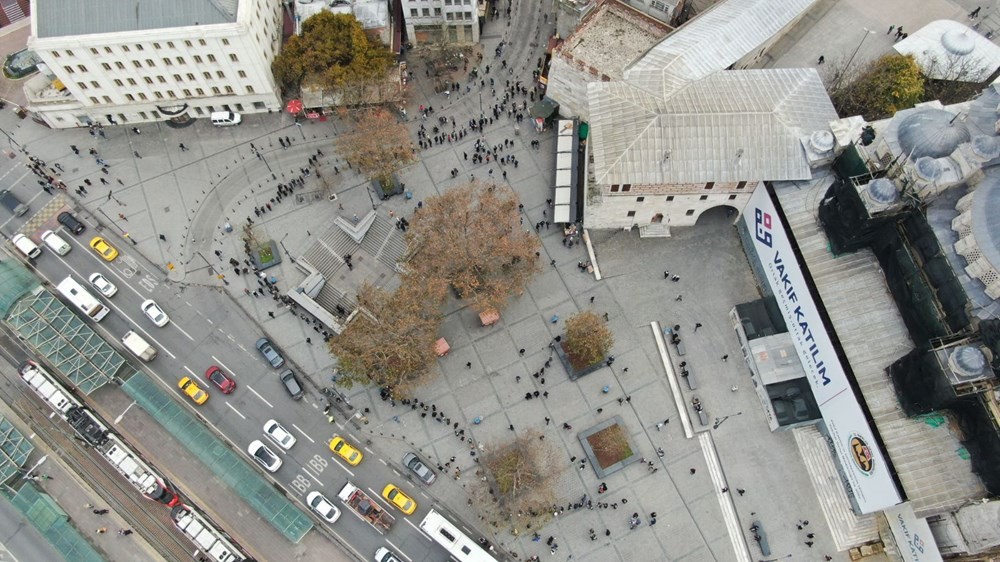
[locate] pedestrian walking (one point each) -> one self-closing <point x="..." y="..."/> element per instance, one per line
<point x="182" y="147"/>
<point x="102" y="530"/>
<point x="136" y="152"/>
<point x="975" y="13"/>
<point x="725" y="358"/>
<point x="679" y="298"/>
<point x="136" y="130"/>
<point x="164" y="238"/>
<point x="740" y="491"/>
<point x="821" y="60"/>
<point x="891" y="27"/>
<point x="123" y="217"/>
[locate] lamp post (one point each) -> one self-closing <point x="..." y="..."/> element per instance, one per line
<point x="850" y="60"/>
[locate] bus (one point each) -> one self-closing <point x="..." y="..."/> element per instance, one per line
<point x="457" y="543"/>
<point x="83" y="299"/>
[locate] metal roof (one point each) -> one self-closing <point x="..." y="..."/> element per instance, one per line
<point x="731" y="126"/>
<point x="711" y="42"/>
<point x="60" y="18"/>
<point x="949" y="50"/>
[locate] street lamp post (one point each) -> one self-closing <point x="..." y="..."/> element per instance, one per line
<point x="850" y="60"/>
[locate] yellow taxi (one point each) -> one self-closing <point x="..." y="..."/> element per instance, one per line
<point x="101" y="246"/>
<point x="346" y="451"/>
<point x="397" y="498"/>
<point x="193" y="391"/>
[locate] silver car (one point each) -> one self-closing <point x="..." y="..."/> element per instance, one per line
<point x="266" y="348"/>
<point x="413" y="462"/>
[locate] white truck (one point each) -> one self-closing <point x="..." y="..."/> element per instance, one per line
<point x="138" y="346"/>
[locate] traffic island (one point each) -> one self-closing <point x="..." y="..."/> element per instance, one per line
<point x="608" y="447"/>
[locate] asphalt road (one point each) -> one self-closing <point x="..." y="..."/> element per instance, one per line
<point x="205" y="330"/>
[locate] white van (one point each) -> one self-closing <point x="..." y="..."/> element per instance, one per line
<point x="55" y="243"/>
<point x="26" y="246"/>
<point x="138" y="346"/>
<point x="225" y="118"/>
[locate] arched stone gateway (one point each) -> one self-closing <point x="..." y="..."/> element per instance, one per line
<point x="721" y="214"/>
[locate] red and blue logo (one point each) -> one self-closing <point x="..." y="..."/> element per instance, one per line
<point x="762" y="228"/>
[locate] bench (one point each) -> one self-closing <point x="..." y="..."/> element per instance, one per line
<point x="689" y="377"/>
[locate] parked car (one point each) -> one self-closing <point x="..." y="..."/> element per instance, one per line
<point x="103" y="286"/>
<point x="291" y="384"/>
<point x="71" y="223"/>
<point x="266" y="348"/>
<point x="281" y="437"/>
<point x="264" y="456"/>
<point x="323" y="507"/>
<point x="193" y="391"/>
<point x="383" y="554"/>
<point x="220" y="379"/>
<point x="418" y="467"/>
<point x="155" y="313"/>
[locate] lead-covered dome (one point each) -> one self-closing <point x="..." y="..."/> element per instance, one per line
<point x="931" y="132"/>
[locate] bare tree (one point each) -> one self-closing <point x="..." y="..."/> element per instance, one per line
<point x="517" y="480"/>
<point x="379" y="146"/>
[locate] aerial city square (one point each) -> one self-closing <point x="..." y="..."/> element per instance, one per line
<point x="500" y="280"/>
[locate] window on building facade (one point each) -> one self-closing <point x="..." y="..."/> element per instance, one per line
<point x="233" y="58"/>
<point x="703" y="198"/>
<point x="142" y="96"/>
<point x="689" y="212"/>
<point x="177" y="78"/>
<point x="161" y="79"/>
<point x="206" y="75"/>
<point x="225" y="41"/>
<point x="138" y="47"/>
<point x="93" y="51"/>
<point x="94" y="100"/>
<point x="81" y="85"/>
<point x="150" y="63"/>
<point x="468" y="16"/>
<point x="219" y="74"/>
<point x="158" y="95"/>
<point x="69" y="69"/>
<point x="426" y="12"/>
<point x="201" y="42"/>
<point x="81" y="68"/>
<point x="670" y="198"/>
<point x="449" y="16"/>
<point x="657" y="5"/>
<point x="640" y="199"/>
<point x="190" y="76"/>
<point x="105" y="66"/>
<point x="741" y="185"/>
<point x="69" y="53"/>
<point x="125" y="48"/>
<point x="95" y="84"/>
<point x="156" y="46"/>
<point x="200" y="91"/>
<point x="142" y="114"/>
<point x="170" y="44"/>
<point x="129" y="97"/>
<point x="413" y="12"/>
<point x="437" y="12"/>
<point x="131" y="81"/>
<point x="106" y="99"/>
<point x="137" y="64"/>
<point x="215" y="90"/>
<point x="229" y="89"/>
<point x="187" y="93"/>
<point x="120" y="65"/>
<point x="167" y="61"/>
<point x="626" y="187"/>
<point x="197" y="59"/>
<point x="119" y="83"/>
<point x="631" y="214"/>
<point x="250" y="89"/>
<point x="241" y="74"/>
<point x="211" y="58"/>
<point x="615" y="187"/>
<point x="171" y="94"/>
<point x="187" y="44"/>
<point x="710" y="185"/>
<point x="107" y="50"/>
<point x="56" y="54"/>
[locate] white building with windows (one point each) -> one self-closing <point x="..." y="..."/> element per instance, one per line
<point x="108" y="63"/>
<point x="451" y="21"/>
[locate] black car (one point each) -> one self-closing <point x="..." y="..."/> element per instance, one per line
<point x="291" y="383"/>
<point x="72" y="223"/>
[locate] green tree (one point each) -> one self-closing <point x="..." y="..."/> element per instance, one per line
<point x="379" y="145"/>
<point x="878" y="89"/>
<point x="588" y="339"/>
<point x="391" y="342"/>
<point x="333" y="52"/>
<point x="470" y="238"/>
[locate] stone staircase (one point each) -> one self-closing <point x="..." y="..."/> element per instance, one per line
<point x="12" y="10"/>
<point x="385" y="242"/>
<point x="846" y="528"/>
<point x="655" y="230"/>
<point x="327" y="253"/>
<point x="329" y="297"/>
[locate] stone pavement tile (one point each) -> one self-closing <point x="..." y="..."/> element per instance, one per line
<point x="548" y="291"/>
<point x="478" y="399"/>
<point x="509" y="391"/>
<point x="682" y="537"/>
<point x="520" y="307"/>
<point x="418" y="181"/>
<point x="563" y="405"/>
<point x="496" y="349"/>
<point x="641" y="369"/>
<point x="532" y="335"/>
<point x="453" y="368"/>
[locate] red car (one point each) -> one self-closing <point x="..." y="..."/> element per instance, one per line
<point x="220" y="379"/>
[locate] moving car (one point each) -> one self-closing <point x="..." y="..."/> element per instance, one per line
<point x="418" y="467"/>
<point x="383" y="554"/>
<point x="323" y="507"/>
<point x="291" y="384"/>
<point x="264" y="456"/>
<point x="103" y="286"/>
<point x="12" y="203"/>
<point x="281" y="437"/>
<point x="266" y="348"/>
<point x="220" y="379"/>
<point x="397" y="498"/>
<point x="101" y="246"/>
<point x="56" y="243"/>
<point x="193" y="391"/>
<point x="71" y="223"/>
<point x="155" y="313"/>
<point x="346" y="451"/>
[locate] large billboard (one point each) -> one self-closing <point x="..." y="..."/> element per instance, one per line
<point x="862" y="461"/>
<point x="913" y="535"/>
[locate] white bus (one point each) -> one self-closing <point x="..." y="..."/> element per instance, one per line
<point x="83" y="300"/>
<point x="457" y="543"/>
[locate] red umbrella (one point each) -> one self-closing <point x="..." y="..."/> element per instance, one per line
<point x="294" y="106"/>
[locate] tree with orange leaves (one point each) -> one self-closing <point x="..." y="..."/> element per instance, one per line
<point x="379" y="146"/>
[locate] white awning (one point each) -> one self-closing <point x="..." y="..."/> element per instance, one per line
<point x="564" y="161"/>
<point x="564" y="144"/>
<point x="562" y="195"/>
<point x="561" y="214"/>
<point x="566" y="128"/>
<point x="564" y="178"/>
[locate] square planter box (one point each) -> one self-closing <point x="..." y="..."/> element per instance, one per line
<point x="573" y="373"/>
<point x="628" y="456"/>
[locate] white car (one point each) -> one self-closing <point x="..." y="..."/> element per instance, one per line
<point x="103" y="286"/>
<point x="155" y="313"/>
<point x="281" y="437"/>
<point x="323" y="507"/>
<point x="383" y="554"/>
<point x="264" y="456"/>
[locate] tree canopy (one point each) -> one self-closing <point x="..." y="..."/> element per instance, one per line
<point x="333" y="52"/>
<point x="588" y="339"/>
<point x="878" y="89"/>
<point x="391" y="343"/>
<point x="379" y="145"/>
<point x="470" y="238"/>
